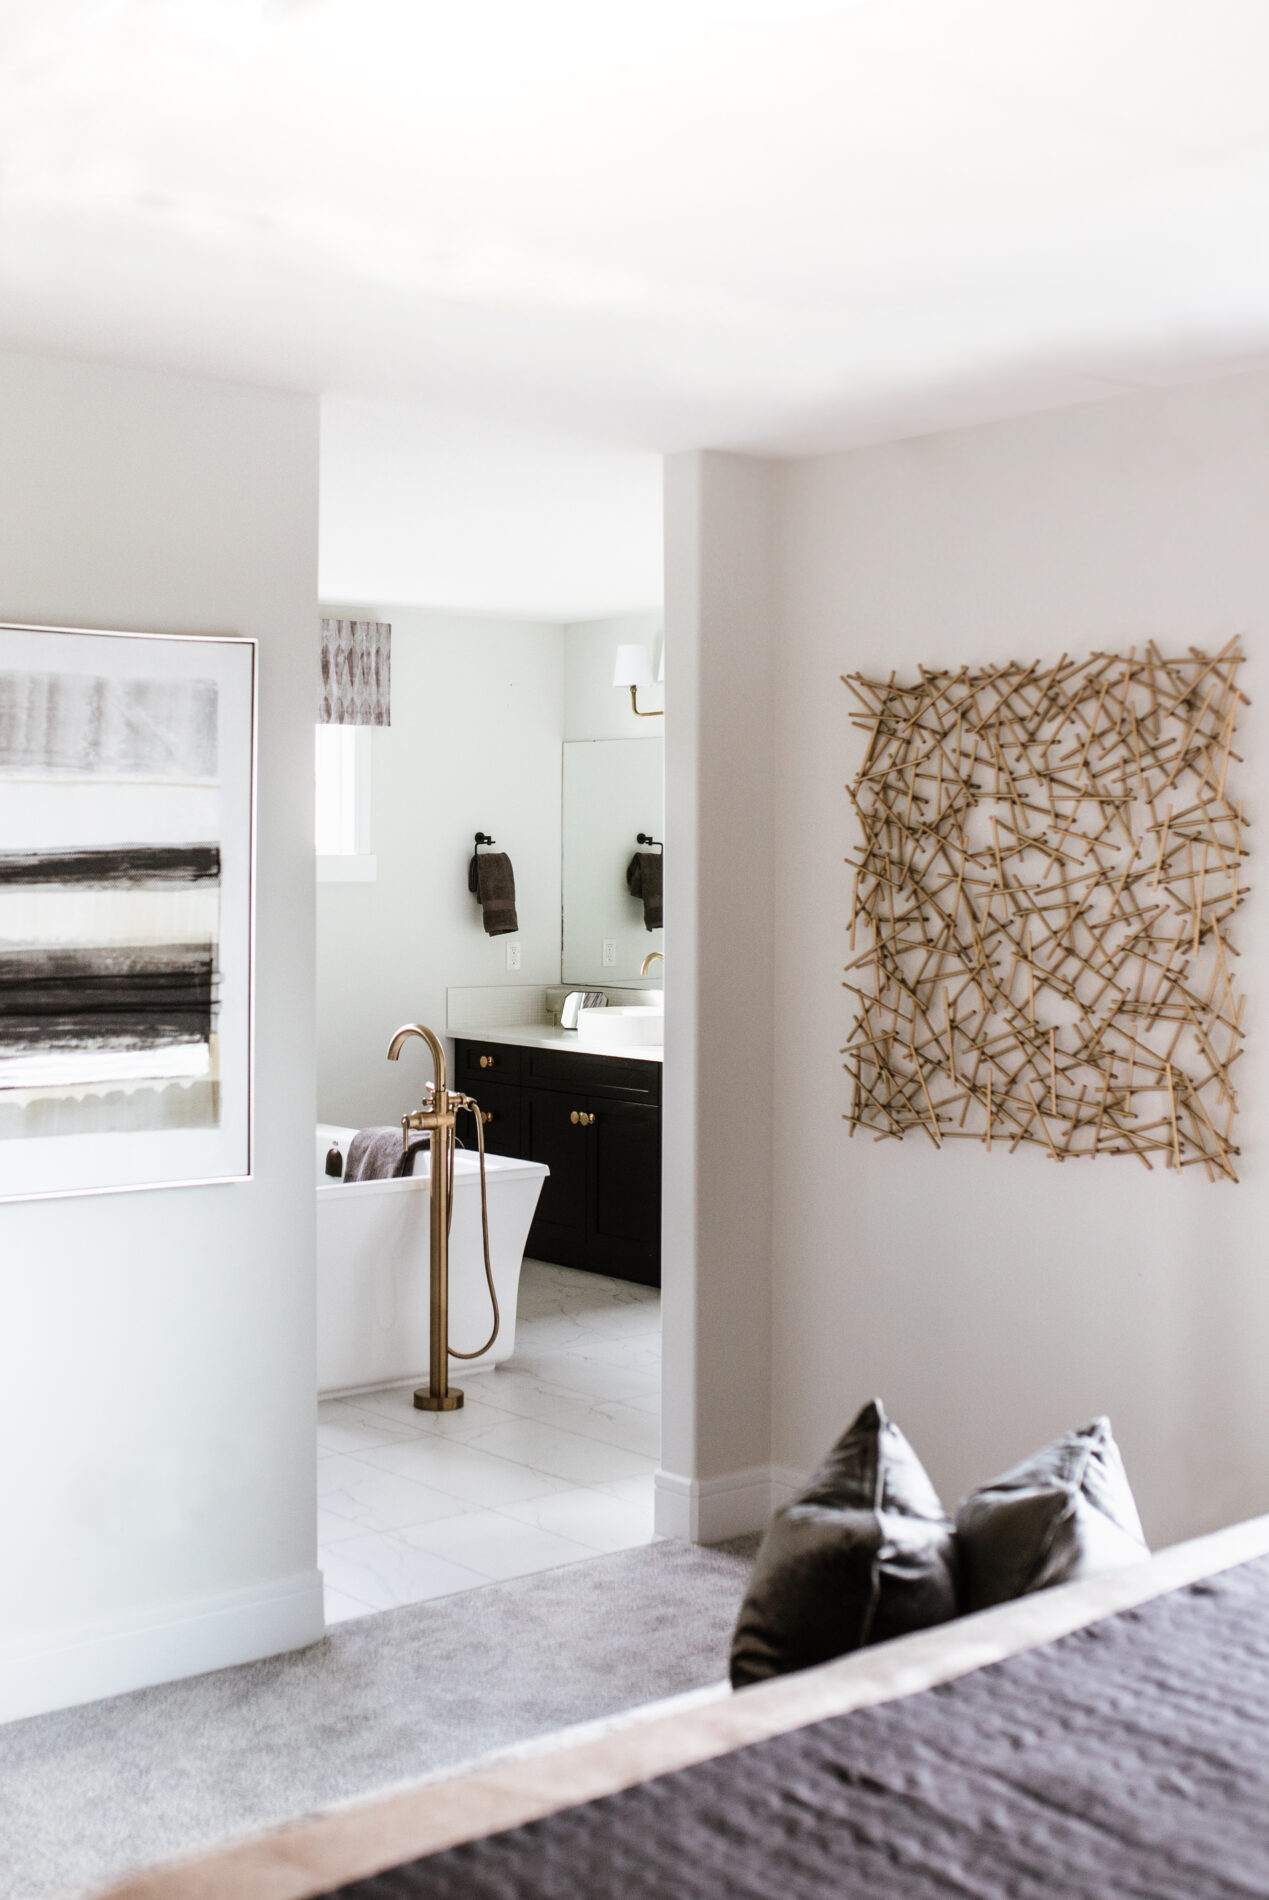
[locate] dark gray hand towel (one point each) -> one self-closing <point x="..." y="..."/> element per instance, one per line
<point x="376" y="1154"/>
<point x="643" y="879"/>
<point x="494" y="882"/>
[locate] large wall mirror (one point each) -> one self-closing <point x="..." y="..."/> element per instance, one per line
<point x="613" y="790"/>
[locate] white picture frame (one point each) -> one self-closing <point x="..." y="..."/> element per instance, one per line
<point x="127" y="908"/>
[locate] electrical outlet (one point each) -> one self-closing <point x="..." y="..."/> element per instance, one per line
<point x="513" y="956"/>
<point x="610" y="953"/>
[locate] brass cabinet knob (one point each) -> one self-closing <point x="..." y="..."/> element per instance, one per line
<point x="575" y="1118"/>
<point x="580" y="1119"/>
<point x="486" y="1114"/>
<point x="486" y="1062"/>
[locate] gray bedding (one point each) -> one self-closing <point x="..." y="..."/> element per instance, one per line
<point x="1130" y="1759"/>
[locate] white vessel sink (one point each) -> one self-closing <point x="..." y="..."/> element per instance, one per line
<point x="606" y="1028"/>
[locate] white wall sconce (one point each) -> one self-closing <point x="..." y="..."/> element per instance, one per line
<point x="634" y="669"/>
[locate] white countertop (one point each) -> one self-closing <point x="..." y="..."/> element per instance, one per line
<point x="547" y="1036"/>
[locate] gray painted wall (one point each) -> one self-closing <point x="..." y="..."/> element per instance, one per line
<point x="992" y="1301"/>
<point x="156" y="1355"/>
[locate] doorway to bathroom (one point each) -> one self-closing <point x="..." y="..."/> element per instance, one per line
<point x="552" y="1456"/>
<point x="502" y="582"/>
<point x="507" y="727"/>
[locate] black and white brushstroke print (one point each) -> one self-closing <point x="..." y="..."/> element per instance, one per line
<point x="107" y="965"/>
<point x="109" y="980"/>
<point x="127" y="768"/>
<point x="76" y="725"/>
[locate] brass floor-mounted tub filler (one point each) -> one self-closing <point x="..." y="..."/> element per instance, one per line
<point x="437" y="1118"/>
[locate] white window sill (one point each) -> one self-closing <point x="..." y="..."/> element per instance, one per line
<point x="347" y="869"/>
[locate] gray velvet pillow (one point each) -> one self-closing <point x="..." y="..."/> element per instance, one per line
<point x="866" y="1552"/>
<point x="1065" y="1512"/>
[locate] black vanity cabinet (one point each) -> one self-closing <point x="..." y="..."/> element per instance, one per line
<point x="596" y="1123"/>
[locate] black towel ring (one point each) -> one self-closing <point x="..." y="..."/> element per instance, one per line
<point x="643" y="838"/>
<point x="482" y="837"/>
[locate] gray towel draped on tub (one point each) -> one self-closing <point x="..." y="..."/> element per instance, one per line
<point x="376" y="1154"/>
<point x="643" y="879"/>
<point x="491" y="878"/>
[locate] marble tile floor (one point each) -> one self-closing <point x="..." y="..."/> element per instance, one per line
<point x="549" y="1461"/>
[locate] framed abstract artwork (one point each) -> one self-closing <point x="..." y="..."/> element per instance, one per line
<point x="127" y="860"/>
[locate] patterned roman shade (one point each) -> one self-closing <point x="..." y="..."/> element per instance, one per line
<point x="355" y="688"/>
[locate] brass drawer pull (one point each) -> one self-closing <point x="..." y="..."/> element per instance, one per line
<point x="575" y="1118"/>
<point x="580" y="1119"/>
<point x="486" y="1115"/>
<point x="487" y="1062"/>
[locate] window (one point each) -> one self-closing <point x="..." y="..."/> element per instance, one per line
<point x="342" y="761"/>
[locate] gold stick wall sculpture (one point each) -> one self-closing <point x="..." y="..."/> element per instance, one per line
<point x="1050" y="863"/>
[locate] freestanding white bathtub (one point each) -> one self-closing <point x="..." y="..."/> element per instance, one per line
<point x="372" y="1267"/>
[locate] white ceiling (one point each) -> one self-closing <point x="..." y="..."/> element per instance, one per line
<point x="779" y="225"/>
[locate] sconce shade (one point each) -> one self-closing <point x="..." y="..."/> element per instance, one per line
<point x="633" y="667"/>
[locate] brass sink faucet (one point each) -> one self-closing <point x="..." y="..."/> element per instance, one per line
<point x="653" y="956"/>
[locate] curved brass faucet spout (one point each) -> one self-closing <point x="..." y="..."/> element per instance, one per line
<point x="436" y="1119"/>
<point x="425" y="1035"/>
<point x="653" y="956"/>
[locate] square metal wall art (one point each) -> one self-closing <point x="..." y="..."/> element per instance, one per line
<point x="127" y="767"/>
<point x="1050" y="869"/>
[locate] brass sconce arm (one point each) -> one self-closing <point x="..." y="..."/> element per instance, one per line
<point x="634" y="707"/>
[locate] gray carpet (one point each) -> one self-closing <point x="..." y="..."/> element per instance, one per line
<point x="91" y="1793"/>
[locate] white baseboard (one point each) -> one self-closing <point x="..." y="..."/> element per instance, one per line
<point x="705" y="1510"/>
<point x="187" y="1639"/>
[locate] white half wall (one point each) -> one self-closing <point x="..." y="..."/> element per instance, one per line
<point x="995" y="1300"/>
<point x="717" y="1139"/>
<point x="474" y="745"/>
<point x="157" y="1350"/>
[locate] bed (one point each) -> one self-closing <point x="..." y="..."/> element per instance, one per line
<point x="1108" y="1738"/>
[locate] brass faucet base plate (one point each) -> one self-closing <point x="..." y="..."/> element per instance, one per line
<point x="426" y="1400"/>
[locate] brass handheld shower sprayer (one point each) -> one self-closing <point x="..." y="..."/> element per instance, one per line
<point x="437" y="1117"/>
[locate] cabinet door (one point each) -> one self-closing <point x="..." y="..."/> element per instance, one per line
<point x="549" y="1134"/>
<point x="500" y="1101"/>
<point x="624" y="1204"/>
